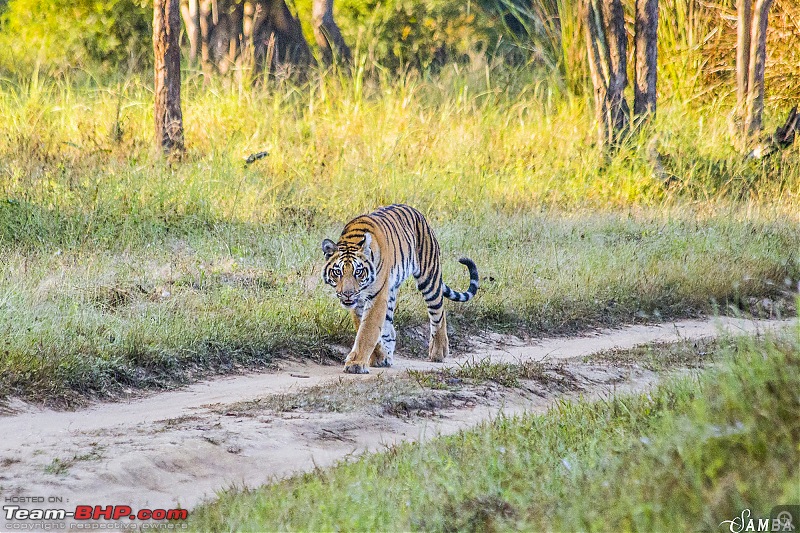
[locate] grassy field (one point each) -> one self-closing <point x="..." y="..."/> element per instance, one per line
<point x="684" y="457"/>
<point x="121" y="270"/>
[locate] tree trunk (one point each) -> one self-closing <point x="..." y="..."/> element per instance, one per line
<point x="327" y="33"/>
<point x="206" y="23"/>
<point x="646" y="59"/>
<point x="234" y="34"/>
<point x="607" y="42"/>
<point x="166" y="48"/>
<point x="278" y="39"/>
<point x="755" y="76"/>
<point x="190" y="10"/>
<point x="235" y="21"/>
<point x="617" y="48"/>
<point x="743" y="10"/>
<point x="598" y="68"/>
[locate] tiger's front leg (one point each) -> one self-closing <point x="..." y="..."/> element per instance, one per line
<point x="381" y="355"/>
<point x="369" y="332"/>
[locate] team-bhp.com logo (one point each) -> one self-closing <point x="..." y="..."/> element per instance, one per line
<point x="781" y="518"/>
<point x="96" y="512"/>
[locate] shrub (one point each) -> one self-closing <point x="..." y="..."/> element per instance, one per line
<point x="111" y="36"/>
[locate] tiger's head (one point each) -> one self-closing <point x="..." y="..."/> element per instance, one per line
<point x="349" y="268"/>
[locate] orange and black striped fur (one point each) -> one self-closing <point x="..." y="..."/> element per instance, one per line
<point x="374" y="255"/>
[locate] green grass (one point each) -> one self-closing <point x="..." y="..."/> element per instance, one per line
<point x="122" y="270"/>
<point x="61" y="467"/>
<point x="91" y="321"/>
<point x="663" y="355"/>
<point x="683" y="457"/>
<point x="376" y="395"/>
<point x="504" y="374"/>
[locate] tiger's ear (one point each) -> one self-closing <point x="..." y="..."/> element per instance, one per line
<point x="329" y="248"/>
<point x="367" y="240"/>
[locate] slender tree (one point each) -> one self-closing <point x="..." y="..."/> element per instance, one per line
<point x="744" y="19"/>
<point x="190" y="11"/>
<point x="646" y="59"/>
<point x="751" y="55"/>
<point x="607" y="41"/>
<point x="754" y="104"/>
<point x="327" y="34"/>
<point x="166" y="48"/>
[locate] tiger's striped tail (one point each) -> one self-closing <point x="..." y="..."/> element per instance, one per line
<point x="467" y="295"/>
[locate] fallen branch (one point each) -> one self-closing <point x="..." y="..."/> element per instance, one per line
<point x="782" y="138"/>
<point x="252" y="158"/>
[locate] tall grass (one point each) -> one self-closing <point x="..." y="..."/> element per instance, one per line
<point x="504" y="140"/>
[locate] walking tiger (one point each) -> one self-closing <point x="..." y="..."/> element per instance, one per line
<point x="374" y="255"/>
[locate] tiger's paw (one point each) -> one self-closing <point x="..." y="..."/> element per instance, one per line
<point x="437" y="353"/>
<point x="385" y="363"/>
<point x="356" y="369"/>
<point x="438" y="349"/>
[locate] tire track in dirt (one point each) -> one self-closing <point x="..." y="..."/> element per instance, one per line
<point x="180" y="447"/>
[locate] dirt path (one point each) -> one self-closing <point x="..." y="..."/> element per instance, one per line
<point x="180" y="447"/>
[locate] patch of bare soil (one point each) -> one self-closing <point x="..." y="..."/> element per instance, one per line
<point x="181" y="447"/>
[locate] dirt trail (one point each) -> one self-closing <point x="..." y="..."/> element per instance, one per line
<point x="180" y="447"/>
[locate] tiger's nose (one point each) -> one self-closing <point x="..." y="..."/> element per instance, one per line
<point x="348" y="294"/>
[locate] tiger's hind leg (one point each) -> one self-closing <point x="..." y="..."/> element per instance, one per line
<point x="430" y="285"/>
<point x="439" y="344"/>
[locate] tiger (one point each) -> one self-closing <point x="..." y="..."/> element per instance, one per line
<point x="373" y="256"/>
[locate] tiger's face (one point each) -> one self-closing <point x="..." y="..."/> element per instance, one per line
<point x="349" y="270"/>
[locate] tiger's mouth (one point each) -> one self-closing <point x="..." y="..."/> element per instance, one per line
<point x="348" y="301"/>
